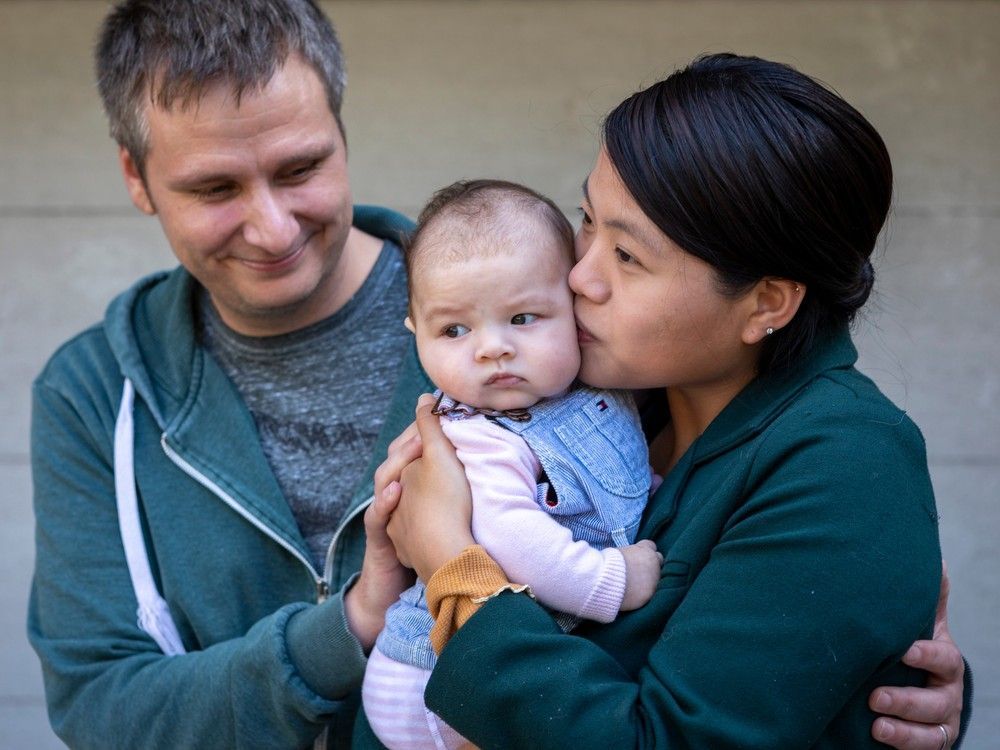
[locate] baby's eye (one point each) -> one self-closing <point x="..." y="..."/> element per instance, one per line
<point x="456" y="330"/>
<point x="522" y="319"/>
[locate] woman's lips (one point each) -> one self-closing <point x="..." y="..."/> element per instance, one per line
<point x="583" y="335"/>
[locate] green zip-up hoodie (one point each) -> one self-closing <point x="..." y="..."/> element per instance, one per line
<point x="267" y="666"/>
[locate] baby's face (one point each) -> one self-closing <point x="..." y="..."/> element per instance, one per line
<point x="497" y="332"/>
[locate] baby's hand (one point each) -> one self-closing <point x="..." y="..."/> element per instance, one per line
<point x="642" y="571"/>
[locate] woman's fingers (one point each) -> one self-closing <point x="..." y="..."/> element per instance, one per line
<point x="428" y="427"/>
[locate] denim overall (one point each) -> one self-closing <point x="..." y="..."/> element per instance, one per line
<point x="592" y="451"/>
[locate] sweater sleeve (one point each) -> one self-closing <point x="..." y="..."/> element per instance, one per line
<point x="825" y="570"/>
<point x="107" y="684"/>
<point x="459" y="587"/>
<point x="531" y="546"/>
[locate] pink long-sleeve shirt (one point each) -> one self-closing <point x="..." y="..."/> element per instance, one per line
<point x="529" y="544"/>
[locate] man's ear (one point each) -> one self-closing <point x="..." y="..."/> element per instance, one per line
<point x="774" y="303"/>
<point x="134" y="182"/>
<point x="409" y="325"/>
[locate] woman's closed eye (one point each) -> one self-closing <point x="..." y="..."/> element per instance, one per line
<point x="625" y="257"/>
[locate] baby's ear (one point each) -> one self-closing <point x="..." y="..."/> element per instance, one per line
<point x="409" y="325"/>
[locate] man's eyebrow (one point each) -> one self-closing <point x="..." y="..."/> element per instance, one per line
<point x="316" y="152"/>
<point x="312" y="153"/>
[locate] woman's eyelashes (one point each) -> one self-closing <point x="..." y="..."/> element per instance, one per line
<point x="625" y="257"/>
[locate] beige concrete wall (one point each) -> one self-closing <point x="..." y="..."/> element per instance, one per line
<point x="442" y="90"/>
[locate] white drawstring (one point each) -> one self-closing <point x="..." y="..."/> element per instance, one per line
<point x="153" y="615"/>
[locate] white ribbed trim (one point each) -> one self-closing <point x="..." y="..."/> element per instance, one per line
<point x="153" y="615"/>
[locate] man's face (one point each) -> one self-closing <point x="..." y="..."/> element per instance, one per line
<point x="253" y="197"/>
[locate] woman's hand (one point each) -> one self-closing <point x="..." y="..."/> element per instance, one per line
<point x="916" y="715"/>
<point x="433" y="520"/>
<point x="382" y="577"/>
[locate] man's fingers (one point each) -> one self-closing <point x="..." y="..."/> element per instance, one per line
<point x="383" y="505"/>
<point x="939" y="657"/>
<point x="397" y="460"/>
<point x="941" y="617"/>
<point x="912" y="705"/>
<point x="906" y="736"/>
<point x="405" y="436"/>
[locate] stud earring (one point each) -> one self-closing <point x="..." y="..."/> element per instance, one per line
<point x="769" y="331"/>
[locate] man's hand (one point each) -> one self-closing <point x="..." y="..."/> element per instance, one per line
<point x="433" y="521"/>
<point x="382" y="577"/>
<point x="915" y="715"/>
<point x="642" y="570"/>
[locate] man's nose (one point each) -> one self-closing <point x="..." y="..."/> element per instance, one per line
<point x="269" y="224"/>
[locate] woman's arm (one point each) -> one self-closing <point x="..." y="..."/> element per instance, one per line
<point x="442" y="474"/>
<point x="913" y="716"/>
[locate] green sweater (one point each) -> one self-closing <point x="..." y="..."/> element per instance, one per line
<point x="801" y="560"/>
<point x="267" y="665"/>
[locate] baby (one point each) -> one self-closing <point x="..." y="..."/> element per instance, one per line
<point x="558" y="472"/>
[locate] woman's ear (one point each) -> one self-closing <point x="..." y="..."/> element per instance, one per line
<point x="409" y="325"/>
<point x="134" y="182"/>
<point x="775" y="302"/>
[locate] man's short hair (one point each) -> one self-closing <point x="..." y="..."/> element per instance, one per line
<point x="169" y="51"/>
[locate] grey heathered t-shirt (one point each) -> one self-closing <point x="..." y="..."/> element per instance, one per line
<point x="319" y="395"/>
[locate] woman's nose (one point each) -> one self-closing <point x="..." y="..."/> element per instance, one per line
<point x="269" y="225"/>
<point x="586" y="280"/>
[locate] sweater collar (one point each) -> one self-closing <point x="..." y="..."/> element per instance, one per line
<point x="756" y="406"/>
<point x="747" y="415"/>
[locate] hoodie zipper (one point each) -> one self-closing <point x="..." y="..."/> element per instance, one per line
<point x="322" y="587"/>
<point x="328" y="567"/>
<point x="322" y="581"/>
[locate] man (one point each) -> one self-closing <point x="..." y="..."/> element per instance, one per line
<point x="269" y="372"/>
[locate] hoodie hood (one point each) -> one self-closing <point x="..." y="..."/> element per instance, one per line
<point x="148" y="326"/>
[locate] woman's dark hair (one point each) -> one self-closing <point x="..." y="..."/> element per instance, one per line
<point x="759" y="170"/>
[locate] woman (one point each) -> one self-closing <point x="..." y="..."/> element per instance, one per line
<point x="725" y="248"/>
